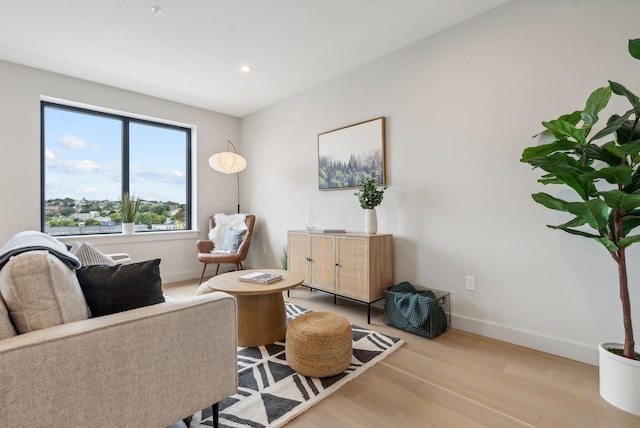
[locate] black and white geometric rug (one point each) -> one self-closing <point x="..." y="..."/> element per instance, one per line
<point x="270" y="393"/>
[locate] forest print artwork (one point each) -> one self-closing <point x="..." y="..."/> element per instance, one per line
<point x="348" y="154"/>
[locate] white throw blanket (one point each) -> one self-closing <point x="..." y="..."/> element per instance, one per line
<point x="30" y="240"/>
<point x="225" y="222"/>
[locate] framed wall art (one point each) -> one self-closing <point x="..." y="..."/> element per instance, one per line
<point x="347" y="154"/>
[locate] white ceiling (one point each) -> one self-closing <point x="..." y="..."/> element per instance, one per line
<point x="192" y="51"/>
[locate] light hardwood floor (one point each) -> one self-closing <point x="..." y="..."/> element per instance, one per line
<point x="458" y="379"/>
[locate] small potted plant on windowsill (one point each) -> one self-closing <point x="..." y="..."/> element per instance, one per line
<point x="129" y="206"/>
<point x="370" y="196"/>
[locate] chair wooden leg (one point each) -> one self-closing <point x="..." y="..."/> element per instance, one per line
<point x="217" y="268"/>
<point x="202" y="276"/>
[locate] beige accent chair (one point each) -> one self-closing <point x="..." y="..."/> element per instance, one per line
<point x="205" y="248"/>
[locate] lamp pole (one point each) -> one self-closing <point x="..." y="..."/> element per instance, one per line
<point x="237" y="174"/>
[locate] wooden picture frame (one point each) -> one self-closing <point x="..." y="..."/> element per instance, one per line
<point x="347" y="154"/>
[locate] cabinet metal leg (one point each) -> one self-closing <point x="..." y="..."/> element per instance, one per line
<point x="335" y="300"/>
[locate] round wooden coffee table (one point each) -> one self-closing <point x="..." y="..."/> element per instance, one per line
<point x="261" y="314"/>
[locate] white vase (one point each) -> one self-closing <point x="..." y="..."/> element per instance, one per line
<point x="128" y="228"/>
<point x="370" y="222"/>
<point x="619" y="378"/>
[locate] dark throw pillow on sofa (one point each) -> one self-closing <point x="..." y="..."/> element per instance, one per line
<point x="111" y="289"/>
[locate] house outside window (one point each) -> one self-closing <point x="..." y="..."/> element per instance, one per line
<point x="91" y="158"/>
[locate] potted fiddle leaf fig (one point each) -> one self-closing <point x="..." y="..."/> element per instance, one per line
<point x="129" y="206"/>
<point x="370" y="196"/>
<point x="603" y="171"/>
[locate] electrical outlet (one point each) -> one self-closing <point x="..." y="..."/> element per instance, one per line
<point x="470" y="283"/>
<point x="264" y="250"/>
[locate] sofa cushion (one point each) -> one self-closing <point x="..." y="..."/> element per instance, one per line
<point x="41" y="291"/>
<point x="6" y="326"/>
<point x="111" y="289"/>
<point x="90" y="255"/>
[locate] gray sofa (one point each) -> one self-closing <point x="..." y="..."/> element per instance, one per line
<point x="145" y="367"/>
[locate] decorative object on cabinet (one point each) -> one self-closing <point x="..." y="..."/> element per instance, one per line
<point x="370" y="222"/>
<point x="604" y="171"/>
<point x="229" y="163"/>
<point x="354" y="266"/>
<point x="310" y="221"/>
<point x="370" y="197"/>
<point x="347" y="154"/>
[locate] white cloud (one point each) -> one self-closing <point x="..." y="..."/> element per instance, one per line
<point x="92" y="191"/>
<point x="77" y="166"/>
<point x="165" y="175"/>
<point x="72" y="142"/>
<point x="57" y="188"/>
<point x="48" y="155"/>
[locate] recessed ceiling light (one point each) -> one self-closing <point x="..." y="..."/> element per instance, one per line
<point x="245" y="68"/>
<point x="156" y="11"/>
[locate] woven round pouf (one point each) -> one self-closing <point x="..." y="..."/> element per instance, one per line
<point x="318" y="344"/>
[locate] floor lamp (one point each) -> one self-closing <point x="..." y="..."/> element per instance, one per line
<point x="229" y="163"/>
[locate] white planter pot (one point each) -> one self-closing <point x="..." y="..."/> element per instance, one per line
<point x="128" y="228"/>
<point x="370" y="222"/>
<point x="619" y="379"/>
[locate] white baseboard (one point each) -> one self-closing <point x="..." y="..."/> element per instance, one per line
<point x="194" y="274"/>
<point x="182" y="276"/>
<point x="552" y="345"/>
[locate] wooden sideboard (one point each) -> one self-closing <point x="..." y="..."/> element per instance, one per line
<point x="356" y="266"/>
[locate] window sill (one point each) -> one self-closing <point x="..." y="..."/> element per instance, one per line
<point x="117" y="238"/>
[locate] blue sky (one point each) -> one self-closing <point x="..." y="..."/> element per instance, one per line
<point x="82" y="154"/>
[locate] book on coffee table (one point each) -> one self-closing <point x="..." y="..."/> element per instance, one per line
<point x="260" y="277"/>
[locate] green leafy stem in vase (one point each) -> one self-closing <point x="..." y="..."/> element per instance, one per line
<point x="369" y="195"/>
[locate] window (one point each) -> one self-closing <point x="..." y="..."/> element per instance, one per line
<point x="91" y="158"/>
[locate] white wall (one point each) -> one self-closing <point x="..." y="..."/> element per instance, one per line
<point x="22" y="88"/>
<point x="460" y="108"/>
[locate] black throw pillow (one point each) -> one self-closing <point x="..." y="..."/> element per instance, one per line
<point x="111" y="289"/>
